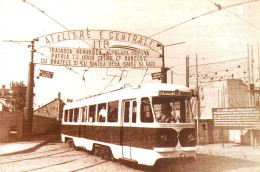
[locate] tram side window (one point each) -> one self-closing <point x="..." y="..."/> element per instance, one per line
<point x="102" y="112"/>
<point x="84" y="111"/>
<point x="66" y="115"/>
<point x="76" y="114"/>
<point x="70" y="115"/>
<point x="113" y="111"/>
<point x="146" y="111"/>
<point x="134" y="110"/>
<point x="126" y="111"/>
<point x="92" y="112"/>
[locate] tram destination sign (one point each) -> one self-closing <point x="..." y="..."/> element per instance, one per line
<point x="236" y="118"/>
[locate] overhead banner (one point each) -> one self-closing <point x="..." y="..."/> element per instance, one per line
<point x="100" y="58"/>
<point x="89" y="34"/>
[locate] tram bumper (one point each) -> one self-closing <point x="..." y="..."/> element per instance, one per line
<point x="173" y="152"/>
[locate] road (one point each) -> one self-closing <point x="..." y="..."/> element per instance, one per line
<point x="56" y="156"/>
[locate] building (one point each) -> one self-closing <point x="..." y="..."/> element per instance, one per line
<point x="226" y="94"/>
<point x="5" y="95"/>
<point x="47" y="118"/>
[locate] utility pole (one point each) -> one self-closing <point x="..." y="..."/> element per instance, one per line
<point x="249" y="77"/>
<point x="258" y="62"/>
<point x="28" y="114"/>
<point x="198" y="100"/>
<point x="163" y="69"/>
<point x="171" y="76"/>
<point x="253" y="79"/>
<point x="187" y="71"/>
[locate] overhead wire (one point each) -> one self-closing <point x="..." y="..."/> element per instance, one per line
<point x="210" y="12"/>
<point x="220" y="7"/>
<point x="204" y="14"/>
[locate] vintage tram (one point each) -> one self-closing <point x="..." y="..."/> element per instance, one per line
<point x="142" y="123"/>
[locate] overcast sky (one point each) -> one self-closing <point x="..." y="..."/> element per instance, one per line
<point x="216" y="37"/>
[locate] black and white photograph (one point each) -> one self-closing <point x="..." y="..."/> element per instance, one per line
<point x="130" y="85"/>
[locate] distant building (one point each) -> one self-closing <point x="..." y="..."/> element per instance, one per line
<point x="227" y="94"/>
<point x="223" y="94"/>
<point x="5" y="95"/>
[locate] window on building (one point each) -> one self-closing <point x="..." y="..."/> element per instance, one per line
<point x="113" y="111"/>
<point x="146" y="111"/>
<point x="92" y="113"/>
<point x="70" y="115"/>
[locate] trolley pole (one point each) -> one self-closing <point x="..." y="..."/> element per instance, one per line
<point x="28" y="113"/>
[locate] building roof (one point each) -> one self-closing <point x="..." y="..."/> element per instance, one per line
<point x="48" y="104"/>
<point x="5" y="93"/>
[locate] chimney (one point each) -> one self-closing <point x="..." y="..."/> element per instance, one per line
<point x="3" y="90"/>
<point x="59" y="95"/>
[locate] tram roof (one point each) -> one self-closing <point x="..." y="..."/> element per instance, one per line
<point x="144" y="90"/>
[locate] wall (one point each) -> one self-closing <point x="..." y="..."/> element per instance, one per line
<point x="47" y="118"/>
<point x="222" y="94"/>
<point x="10" y="121"/>
<point x="44" y="125"/>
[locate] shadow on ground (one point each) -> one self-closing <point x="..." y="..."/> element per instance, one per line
<point x="203" y="163"/>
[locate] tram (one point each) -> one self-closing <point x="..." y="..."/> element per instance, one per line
<point x="142" y="124"/>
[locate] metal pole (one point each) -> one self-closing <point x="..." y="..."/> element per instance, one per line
<point x="258" y="62"/>
<point x="28" y="118"/>
<point x="163" y="69"/>
<point x="187" y="71"/>
<point x="198" y="100"/>
<point x="248" y="70"/>
<point x="253" y="79"/>
<point x="171" y="77"/>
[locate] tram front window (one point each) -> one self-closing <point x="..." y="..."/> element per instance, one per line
<point x="171" y="110"/>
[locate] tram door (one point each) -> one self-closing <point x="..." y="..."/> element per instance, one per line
<point x="129" y="112"/>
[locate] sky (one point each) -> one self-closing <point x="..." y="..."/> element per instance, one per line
<point x="214" y="38"/>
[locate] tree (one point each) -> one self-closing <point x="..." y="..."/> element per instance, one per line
<point x="18" y="100"/>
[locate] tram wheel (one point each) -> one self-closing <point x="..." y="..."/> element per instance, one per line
<point x="96" y="151"/>
<point x="110" y="155"/>
<point x="72" y="145"/>
<point x="69" y="141"/>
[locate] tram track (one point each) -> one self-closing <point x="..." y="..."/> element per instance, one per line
<point x="26" y="154"/>
<point x="90" y="166"/>
<point x="52" y="165"/>
<point x="37" y="157"/>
